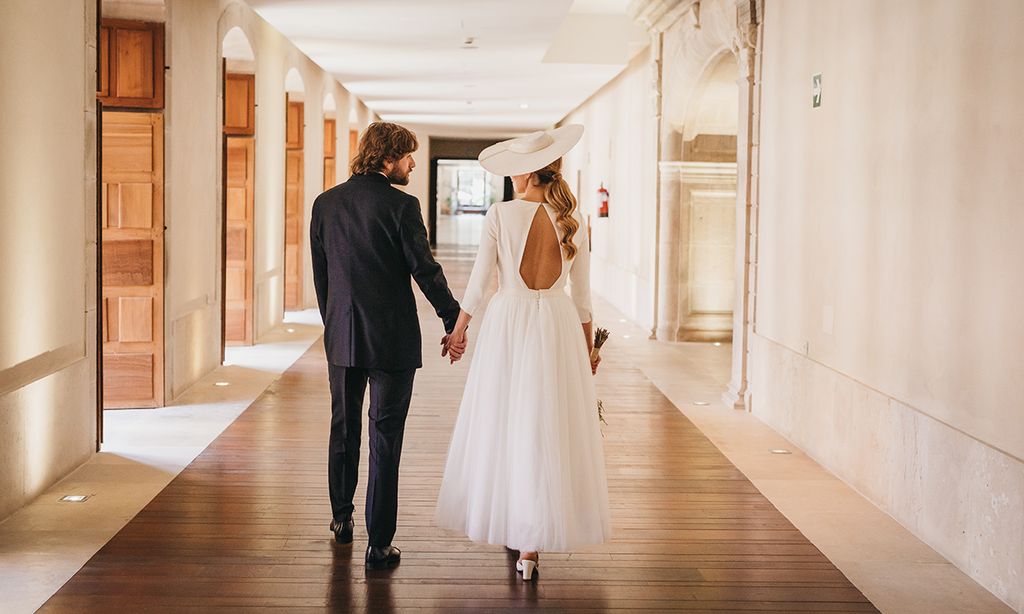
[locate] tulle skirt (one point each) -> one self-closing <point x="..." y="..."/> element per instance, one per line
<point x="525" y="466"/>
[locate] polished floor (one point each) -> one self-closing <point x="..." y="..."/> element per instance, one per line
<point x="245" y="525"/>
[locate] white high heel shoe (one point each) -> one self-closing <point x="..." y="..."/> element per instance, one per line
<point x="527" y="567"/>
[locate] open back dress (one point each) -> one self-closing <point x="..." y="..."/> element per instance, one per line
<point x="525" y="465"/>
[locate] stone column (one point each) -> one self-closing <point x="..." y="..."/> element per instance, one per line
<point x="669" y="240"/>
<point x="745" y="47"/>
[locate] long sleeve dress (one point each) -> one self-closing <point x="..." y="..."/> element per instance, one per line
<point x="525" y="465"/>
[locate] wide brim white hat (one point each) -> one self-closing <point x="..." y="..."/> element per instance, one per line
<point x="529" y="153"/>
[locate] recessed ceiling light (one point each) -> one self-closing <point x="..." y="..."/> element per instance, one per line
<point x="74" y="498"/>
<point x="780" y="451"/>
<point x="291" y="330"/>
<point x="700" y="402"/>
<point x="623" y="320"/>
<point x="717" y="344"/>
<point x="221" y="384"/>
<point x="524" y="106"/>
<point x="625" y="336"/>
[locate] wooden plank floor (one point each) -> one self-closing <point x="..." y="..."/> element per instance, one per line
<point x="244" y="527"/>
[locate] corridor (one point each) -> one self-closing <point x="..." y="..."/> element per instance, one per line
<point x="245" y="525"/>
<point x="802" y="227"/>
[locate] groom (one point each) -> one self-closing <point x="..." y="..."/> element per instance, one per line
<point x="367" y="238"/>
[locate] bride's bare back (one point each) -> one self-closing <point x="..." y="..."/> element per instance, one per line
<point x="541" y="265"/>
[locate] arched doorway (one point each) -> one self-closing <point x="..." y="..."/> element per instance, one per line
<point x="238" y="171"/>
<point x="293" y="190"/>
<point x="697" y="285"/>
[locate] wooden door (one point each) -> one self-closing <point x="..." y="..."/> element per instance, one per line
<point x="330" y="146"/>
<point x="238" y="240"/>
<point x="133" y="259"/>
<point x="353" y="147"/>
<point x="131" y="64"/>
<point x="293" y="209"/>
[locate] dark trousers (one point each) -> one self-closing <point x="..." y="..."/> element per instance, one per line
<point x="390" y="394"/>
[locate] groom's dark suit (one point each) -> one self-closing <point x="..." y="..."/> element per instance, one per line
<point x="367" y="238"/>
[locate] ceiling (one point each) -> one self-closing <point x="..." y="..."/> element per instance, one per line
<point x="529" y="63"/>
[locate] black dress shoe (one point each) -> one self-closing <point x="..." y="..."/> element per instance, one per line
<point x="382" y="558"/>
<point x="343" y="530"/>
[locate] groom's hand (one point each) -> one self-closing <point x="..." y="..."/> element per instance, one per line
<point x="453" y="347"/>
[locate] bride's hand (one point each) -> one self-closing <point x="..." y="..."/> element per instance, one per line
<point x="594" y="364"/>
<point x="454" y="344"/>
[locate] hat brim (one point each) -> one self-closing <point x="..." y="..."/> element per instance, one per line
<point x="498" y="159"/>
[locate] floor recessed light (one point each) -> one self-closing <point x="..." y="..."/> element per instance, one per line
<point x="717" y="344"/>
<point x="291" y="330"/>
<point x="74" y="498"/>
<point x="221" y="384"/>
<point x="780" y="451"/>
<point x="700" y="402"/>
<point x="524" y="106"/>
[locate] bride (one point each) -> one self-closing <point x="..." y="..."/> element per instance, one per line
<point x="525" y="466"/>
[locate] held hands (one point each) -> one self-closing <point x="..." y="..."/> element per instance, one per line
<point x="454" y="344"/>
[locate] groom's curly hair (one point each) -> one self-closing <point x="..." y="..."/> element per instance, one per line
<point x="382" y="142"/>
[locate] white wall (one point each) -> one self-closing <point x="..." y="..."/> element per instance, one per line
<point x="419" y="180"/>
<point x="47" y="245"/>
<point x="618" y="148"/>
<point x="888" y="326"/>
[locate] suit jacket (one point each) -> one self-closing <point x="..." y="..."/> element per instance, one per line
<point x="367" y="238"/>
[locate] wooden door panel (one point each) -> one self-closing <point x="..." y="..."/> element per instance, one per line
<point x="134" y="77"/>
<point x="353" y="147"/>
<point x="330" y="174"/>
<point x="238" y="238"/>
<point x="239" y="104"/>
<point x="294" y="125"/>
<point x="127" y="376"/>
<point x="127" y="262"/>
<point x="293" y="229"/>
<point x="129" y="151"/>
<point x="330" y="138"/>
<point x="103" y="90"/>
<point x="131" y="64"/>
<point x="135" y="318"/>
<point x="132" y="251"/>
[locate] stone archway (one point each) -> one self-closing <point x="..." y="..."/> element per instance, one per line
<point x="698" y="282"/>
<point x="692" y="39"/>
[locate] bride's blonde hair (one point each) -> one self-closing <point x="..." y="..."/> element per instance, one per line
<point x="557" y="194"/>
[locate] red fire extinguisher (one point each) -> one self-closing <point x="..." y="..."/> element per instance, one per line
<point x="602" y="198"/>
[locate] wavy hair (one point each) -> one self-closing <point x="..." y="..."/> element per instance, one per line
<point x="557" y="194"/>
<point x="381" y="143"/>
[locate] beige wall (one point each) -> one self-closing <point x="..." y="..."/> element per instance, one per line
<point x="47" y="245"/>
<point x="888" y="324"/>
<point x="192" y="195"/>
<point x="618" y="148"/>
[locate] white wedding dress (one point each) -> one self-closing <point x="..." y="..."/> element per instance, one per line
<point x="525" y="466"/>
